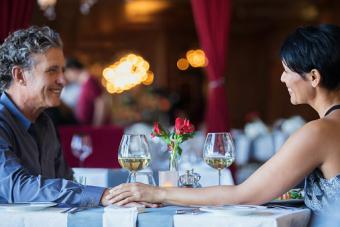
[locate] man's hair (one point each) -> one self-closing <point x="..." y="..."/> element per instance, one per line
<point x="73" y="63"/>
<point x="18" y="47"/>
<point x="314" y="48"/>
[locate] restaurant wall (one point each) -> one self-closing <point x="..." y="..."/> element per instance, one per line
<point x="253" y="65"/>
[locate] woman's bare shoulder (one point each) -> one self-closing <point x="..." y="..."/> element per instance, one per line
<point x="319" y="127"/>
<point x="315" y="135"/>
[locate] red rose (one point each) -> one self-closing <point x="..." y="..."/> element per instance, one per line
<point x="157" y="130"/>
<point x="183" y="126"/>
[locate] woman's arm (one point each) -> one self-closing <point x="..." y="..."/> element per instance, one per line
<point x="300" y="155"/>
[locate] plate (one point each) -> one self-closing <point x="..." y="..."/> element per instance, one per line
<point x="34" y="206"/>
<point x="287" y="201"/>
<point x="235" y="210"/>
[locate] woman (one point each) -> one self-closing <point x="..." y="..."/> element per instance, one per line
<point x="311" y="62"/>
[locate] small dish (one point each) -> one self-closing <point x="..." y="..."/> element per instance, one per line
<point x="287" y="201"/>
<point x="34" y="206"/>
<point x="234" y="210"/>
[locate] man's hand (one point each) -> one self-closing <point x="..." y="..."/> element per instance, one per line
<point x="104" y="201"/>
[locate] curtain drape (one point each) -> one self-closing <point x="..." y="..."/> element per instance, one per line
<point x="14" y="14"/>
<point x="212" y="19"/>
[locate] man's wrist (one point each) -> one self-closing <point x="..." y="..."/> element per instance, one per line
<point x="104" y="201"/>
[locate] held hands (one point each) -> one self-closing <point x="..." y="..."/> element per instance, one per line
<point x="125" y="194"/>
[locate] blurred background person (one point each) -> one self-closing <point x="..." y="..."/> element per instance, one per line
<point x="71" y="91"/>
<point x="91" y="104"/>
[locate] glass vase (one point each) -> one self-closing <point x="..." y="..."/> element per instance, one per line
<point x="173" y="160"/>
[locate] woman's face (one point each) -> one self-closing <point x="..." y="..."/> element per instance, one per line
<point x="300" y="90"/>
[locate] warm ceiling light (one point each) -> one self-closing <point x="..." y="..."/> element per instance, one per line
<point x="182" y="64"/>
<point x="126" y="73"/>
<point x="196" y="58"/>
<point x="48" y="6"/>
<point x="149" y="78"/>
<point x="142" y="10"/>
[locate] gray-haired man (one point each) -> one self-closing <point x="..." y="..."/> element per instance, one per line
<point x="32" y="167"/>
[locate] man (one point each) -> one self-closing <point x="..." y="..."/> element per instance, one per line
<point x="32" y="166"/>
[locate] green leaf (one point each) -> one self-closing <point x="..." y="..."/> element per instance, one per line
<point x="179" y="151"/>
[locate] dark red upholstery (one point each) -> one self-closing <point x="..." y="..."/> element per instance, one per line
<point x="105" y="143"/>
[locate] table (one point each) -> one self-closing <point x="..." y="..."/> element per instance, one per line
<point x="153" y="217"/>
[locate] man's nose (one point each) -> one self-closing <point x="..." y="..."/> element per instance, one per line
<point x="61" y="79"/>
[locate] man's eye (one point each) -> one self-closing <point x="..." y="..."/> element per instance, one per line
<point x="52" y="70"/>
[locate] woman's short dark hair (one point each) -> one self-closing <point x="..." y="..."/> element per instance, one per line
<point x="318" y="48"/>
<point x="18" y="47"/>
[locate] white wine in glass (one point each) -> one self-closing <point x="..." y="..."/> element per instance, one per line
<point x="134" y="164"/>
<point x="218" y="162"/>
<point x="218" y="151"/>
<point x="134" y="154"/>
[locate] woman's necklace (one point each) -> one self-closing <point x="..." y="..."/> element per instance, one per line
<point x="330" y="110"/>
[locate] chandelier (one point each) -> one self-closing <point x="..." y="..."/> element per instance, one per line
<point x="48" y="6"/>
<point x="130" y="71"/>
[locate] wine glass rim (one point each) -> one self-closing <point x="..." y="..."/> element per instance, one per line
<point x="133" y="134"/>
<point x="219" y="133"/>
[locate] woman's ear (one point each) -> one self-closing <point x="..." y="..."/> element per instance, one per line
<point x="314" y="77"/>
<point x="18" y="75"/>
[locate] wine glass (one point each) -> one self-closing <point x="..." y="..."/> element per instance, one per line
<point x="218" y="151"/>
<point x="133" y="154"/>
<point x="81" y="146"/>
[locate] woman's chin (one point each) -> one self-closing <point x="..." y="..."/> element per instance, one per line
<point x="293" y="101"/>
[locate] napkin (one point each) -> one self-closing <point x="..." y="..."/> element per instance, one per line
<point x="122" y="216"/>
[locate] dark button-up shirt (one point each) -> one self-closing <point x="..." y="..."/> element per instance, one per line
<point x="32" y="166"/>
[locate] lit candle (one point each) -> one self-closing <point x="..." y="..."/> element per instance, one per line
<point x="168" y="178"/>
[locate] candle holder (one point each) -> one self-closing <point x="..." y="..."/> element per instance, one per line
<point x="168" y="178"/>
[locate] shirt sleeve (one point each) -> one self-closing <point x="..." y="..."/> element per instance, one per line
<point x="17" y="185"/>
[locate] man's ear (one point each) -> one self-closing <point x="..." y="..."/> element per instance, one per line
<point x="314" y="77"/>
<point x="18" y="75"/>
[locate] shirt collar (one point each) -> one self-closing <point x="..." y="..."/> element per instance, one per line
<point x="9" y="104"/>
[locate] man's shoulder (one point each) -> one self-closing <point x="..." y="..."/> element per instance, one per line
<point x="7" y="122"/>
<point x="5" y="115"/>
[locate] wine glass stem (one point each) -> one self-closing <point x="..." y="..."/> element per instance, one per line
<point x="219" y="176"/>
<point x="81" y="163"/>
<point x="133" y="176"/>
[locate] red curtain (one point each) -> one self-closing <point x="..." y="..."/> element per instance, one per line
<point x="14" y="14"/>
<point x="212" y="18"/>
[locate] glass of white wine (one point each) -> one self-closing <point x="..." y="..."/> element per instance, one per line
<point x="133" y="154"/>
<point x="218" y="151"/>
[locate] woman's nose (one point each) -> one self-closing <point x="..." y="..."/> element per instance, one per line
<point x="282" y="77"/>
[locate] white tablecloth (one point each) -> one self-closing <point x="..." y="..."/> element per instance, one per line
<point x="50" y="217"/>
<point x="164" y="217"/>
<point x="267" y="218"/>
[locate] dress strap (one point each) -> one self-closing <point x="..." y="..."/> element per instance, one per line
<point x="330" y="110"/>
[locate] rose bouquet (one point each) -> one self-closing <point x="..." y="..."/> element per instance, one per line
<point x="182" y="131"/>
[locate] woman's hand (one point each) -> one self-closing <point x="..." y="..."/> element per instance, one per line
<point x="135" y="192"/>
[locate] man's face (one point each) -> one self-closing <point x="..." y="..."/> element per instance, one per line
<point x="45" y="80"/>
